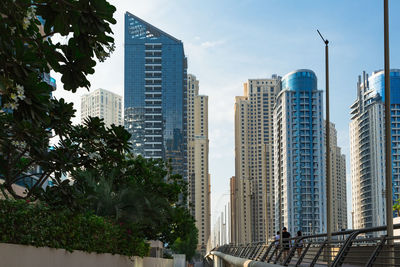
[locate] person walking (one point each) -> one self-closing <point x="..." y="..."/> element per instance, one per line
<point x="299" y="243"/>
<point x="285" y="242"/>
<point x="277" y="247"/>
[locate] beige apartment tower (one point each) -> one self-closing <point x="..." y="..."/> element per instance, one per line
<point x="252" y="196"/>
<point x="338" y="178"/>
<point x="232" y="213"/>
<point x="198" y="176"/>
<point x="103" y="104"/>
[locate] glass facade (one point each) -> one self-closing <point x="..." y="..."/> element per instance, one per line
<point x="377" y="85"/>
<point x="301" y="80"/>
<point x="155" y="93"/>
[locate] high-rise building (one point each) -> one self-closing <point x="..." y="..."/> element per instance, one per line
<point x="299" y="167"/>
<point x="338" y="182"/>
<point x="253" y="193"/>
<point x="198" y="176"/>
<point x="219" y="235"/>
<point x="232" y="217"/>
<point x="155" y="93"/>
<point x="367" y="147"/>
<point x="103" y="104"/>
<point x="241" y="221"/>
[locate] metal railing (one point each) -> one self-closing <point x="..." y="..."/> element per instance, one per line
<point x="362" y="247"/>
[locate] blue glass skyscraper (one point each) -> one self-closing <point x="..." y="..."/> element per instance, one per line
<point x="155" y="93"/>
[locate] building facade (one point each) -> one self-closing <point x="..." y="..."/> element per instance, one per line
<point x="367" y="148"/>
<point x="253" y="197"/>
<point x="198" y="175"/>
<point x="155" y="93"/>
<point x="338" y="182"/>
<point x="299" y="167"/>
<point x="104" y="105"/>
<point x="232" y="209"/>
<point x="241" y="230"/>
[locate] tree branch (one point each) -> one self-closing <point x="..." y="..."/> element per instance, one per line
<point x="49" y="34"/>
<point x="39" y="183"/>
<point x="24" y="176"/>
<point x="22" y="170"/>
<point x="4" y="192"/>
<point x="13" y="162"/>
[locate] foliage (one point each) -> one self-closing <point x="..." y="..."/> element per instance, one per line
<point x="28" y="116"/>
<point x="143" y="195"/>
<point x="88" y="146"/>
<point x="396" y="207"/>
<point x="186" y="235"/>
<point x="113" y="183"/>
<point x="64" y="229"/>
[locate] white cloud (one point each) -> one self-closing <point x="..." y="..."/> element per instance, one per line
<point x="209" y="44"/>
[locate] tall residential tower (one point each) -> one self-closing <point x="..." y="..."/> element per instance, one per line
<point x="198" y="176"/>
<point x="338" y="183"/>
<point x="253" y="197"/>
<point x="103" y="104"/>
<point x="155" y="93"/>
<point x="299" y="167"/>
<point x="367" y="150"/>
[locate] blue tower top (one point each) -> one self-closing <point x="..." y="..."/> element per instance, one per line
<point x="300" y="80"/>
<point x="377" y="84"/>
<point x="139" y="31"/>
<point x="155" y="93"/>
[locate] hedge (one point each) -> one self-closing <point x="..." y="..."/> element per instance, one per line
<point x="40" y="226"/>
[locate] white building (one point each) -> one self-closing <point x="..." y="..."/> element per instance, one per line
<point x="367" y="150"/>
<point x="299" y="167"/>
<point x="103" y="104"/>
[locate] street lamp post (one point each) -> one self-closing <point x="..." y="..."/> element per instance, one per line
<point x="388" y="142"/>
<point x="280" y="187"/>
<point x="328" y="156"/>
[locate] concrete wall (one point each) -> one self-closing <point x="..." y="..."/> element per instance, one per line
<point x="179" y="260"/>
<point x="19" y="256"/>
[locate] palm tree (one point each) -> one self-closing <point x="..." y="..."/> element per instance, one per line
<point x="396" y="207"/>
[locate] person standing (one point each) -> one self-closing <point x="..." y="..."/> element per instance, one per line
<point x="285" y="242"/>
<point x="299" y="243"/>
<point x="277" y="247"/>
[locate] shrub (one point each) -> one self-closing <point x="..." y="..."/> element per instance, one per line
<point x="39" y="225"/>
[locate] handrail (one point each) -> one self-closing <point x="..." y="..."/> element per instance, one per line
<point x="342" y="252"/>
<point x="267" y="252"/>
<point x="262" y="252"/>
<point x="376" y="252"/>
<point x="235" y="261"/>
<point x="314" y="261"/>
<point x="293" y="249"/>
<point x="303" y="255"/>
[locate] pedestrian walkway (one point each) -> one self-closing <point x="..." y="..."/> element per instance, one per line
<point x="362" y="247"/>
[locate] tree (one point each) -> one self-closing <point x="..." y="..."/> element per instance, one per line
<point x="142" y="195"/>
<point x="396" y="207"/>
<point x="29" y="117"/>
<point x="185" y="233"/>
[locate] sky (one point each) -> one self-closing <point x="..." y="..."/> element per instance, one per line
<point x="227" y="42"/>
